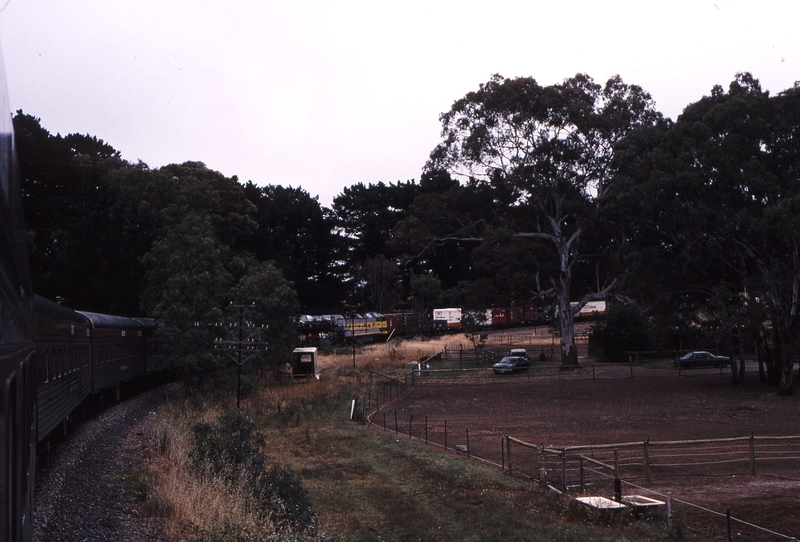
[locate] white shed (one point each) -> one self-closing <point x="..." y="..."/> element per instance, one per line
<point x="304" y="362"/>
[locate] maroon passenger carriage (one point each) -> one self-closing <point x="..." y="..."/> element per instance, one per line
<point x="17" y="379"/>
<point x="118" y="350"/>
<point x="63" y="364"/>
<point x="52" y="358"/>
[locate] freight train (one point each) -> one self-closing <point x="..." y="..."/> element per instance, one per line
<point x="337" y="328"/>
<point x="372" y="326"/>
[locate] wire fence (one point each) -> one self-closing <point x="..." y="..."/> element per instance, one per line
<point x="646" y="471"/>
<point x="654" y="470"/>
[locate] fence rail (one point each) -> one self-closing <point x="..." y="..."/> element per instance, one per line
<point x="641" y="466"/>
<point x="649" y="460"/>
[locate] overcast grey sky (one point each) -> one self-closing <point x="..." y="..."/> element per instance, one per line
<point x="326" y="94"/>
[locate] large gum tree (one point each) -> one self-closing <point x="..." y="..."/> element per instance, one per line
<point x="553" y="146"/>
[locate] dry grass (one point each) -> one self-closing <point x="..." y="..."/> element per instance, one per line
<point x="192" y="502"/>
<point x="393" y="355"/>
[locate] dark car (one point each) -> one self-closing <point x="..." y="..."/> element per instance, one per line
<point x="701" y="358"/>
<point x="511" y="364"/>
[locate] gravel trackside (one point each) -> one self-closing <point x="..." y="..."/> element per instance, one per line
<point x="81" y="493"/>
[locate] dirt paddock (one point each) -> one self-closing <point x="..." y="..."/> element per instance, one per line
<point x="662" y="407"/>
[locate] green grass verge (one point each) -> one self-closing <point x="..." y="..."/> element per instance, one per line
<point x="366" y="484"/>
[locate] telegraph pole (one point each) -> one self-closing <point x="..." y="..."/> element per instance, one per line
<point x="238" y="343"/>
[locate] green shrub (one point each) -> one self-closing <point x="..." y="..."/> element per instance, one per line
<point x="230" y="449"/>
<point x="226" y="447"/>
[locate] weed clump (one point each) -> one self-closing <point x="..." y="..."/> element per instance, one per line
<point x="229" y="449"/>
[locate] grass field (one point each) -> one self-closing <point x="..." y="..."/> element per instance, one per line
<point x="363" y="484"/>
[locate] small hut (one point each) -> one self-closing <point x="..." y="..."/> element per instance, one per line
<point x="304" y="363"/>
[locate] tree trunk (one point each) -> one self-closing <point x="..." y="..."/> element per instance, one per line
<point x="786" y="378"/>
<point x="569" y="352"/>
<point x="741" y="356"/>
<point x="735" y="377"/>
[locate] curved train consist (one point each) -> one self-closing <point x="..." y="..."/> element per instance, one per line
<point x="17" y="349"/>
<point x="52" y="359"/>
<point x="80" y="355"/>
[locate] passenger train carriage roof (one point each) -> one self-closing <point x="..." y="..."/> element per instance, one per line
<point x="50" y="309"/>
<point x="108" y="321"/>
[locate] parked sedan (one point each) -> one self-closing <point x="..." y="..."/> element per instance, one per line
<point x="701" y="358"/>
<point x="511" y="364"/>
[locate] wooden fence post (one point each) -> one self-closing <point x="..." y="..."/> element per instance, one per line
<point x="582" y="475"/>
<point x="669" y="511"/>
<point x="647" y="461"/>
<point x="468" y="443"/>
<point x="616" y="463"/>
<point x="502" y="455"/>
<point x="564" y="467"/>
<point x="508" y="446"/>
<point x="752" y="454"/>
<point x="728" y="514"/>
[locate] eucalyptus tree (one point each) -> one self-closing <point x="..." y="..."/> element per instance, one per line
<point x="553" y="148"/>
<point x="712" y="201"/>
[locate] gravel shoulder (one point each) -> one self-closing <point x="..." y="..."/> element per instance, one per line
<point x="81" y="491"/>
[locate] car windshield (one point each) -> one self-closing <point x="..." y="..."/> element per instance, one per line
<point x="509" y="360"/>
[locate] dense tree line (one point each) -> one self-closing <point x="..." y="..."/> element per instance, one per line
<point x="546" y="195"/>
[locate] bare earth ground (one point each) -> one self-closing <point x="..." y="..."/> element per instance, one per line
<point x="656" y="404"/>
<point x="564" y="412"/>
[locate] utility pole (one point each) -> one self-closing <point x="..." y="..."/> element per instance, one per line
<point x="241" y="339"/>
<point x="353" y="338"/>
